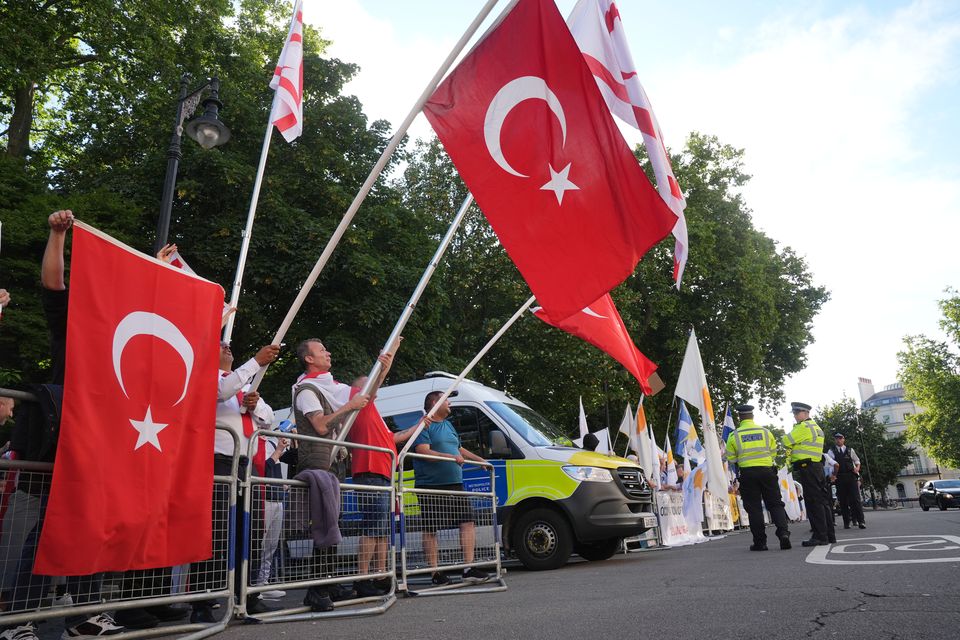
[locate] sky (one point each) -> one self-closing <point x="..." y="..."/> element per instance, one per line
<point x="847" y="112"/>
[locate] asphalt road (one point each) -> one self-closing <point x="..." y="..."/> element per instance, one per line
<point x="896" y="579"/>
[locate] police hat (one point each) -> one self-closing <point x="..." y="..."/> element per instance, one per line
<point x="745" y="408"/>
<point x="839" y="435"/>
<point x="799" y="406"/>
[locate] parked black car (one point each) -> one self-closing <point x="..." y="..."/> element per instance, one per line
<point x="941" y="494"/>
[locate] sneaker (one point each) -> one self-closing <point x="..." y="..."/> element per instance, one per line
<point x="65" y="600"/>
<point x="439" y="578"/>
<point x="318" y="600"/>
<point x="23" y="632"/>
<point x="136" y="619"/>
<point x="257" y="605"/>
<point x="367" y="589"/>
<point x="862" y="526"/>
<point x="95" y="627"/>
<point x="475" y="575"/>
<point x="168" y="612"/>
<point x="273" y="594"/>
<point x="202" y="614"/>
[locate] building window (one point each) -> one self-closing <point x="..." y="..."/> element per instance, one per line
<point x="901" y="491"/>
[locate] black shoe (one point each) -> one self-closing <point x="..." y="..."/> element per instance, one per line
<point x="813" y="542"/>
<point x="439" y="578"/>
<point x="862" y="526"/>
<point x="785" y="543"/>
<point x="256" y="605"/>
<point x="475" y="575"/>
<point x="367" y="589"/>
<point x="384" y="584"/>
<point x="318" y="600"/>
<point x="136" y="619"/>
<point x="758" y="547"/>
<point x="340" y="592"/>
<point x="168" y="612"/>
<point x="203" y="615"/>
<point x="846" y="526"/>
<point x="831" y="539"/>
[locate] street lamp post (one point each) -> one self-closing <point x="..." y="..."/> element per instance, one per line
<point x="866" y="461"/>
<point x="207" y="130"/>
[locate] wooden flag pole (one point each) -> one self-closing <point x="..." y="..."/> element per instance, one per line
<point x="374" y="174"/>
<point x="466" y="370"/>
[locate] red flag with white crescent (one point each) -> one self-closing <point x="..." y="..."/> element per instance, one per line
<point x="527" y="128"/>
<point x="600" y="324"/>
<point x="287" y="113"/>
<point x="133" y="476"/>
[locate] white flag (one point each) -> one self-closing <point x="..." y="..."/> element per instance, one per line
<point x="598" y="30"/>
<point x="641" y="443"/>
<point x="692" y="387"/>
<point x="287" y="112"/>
<point x="584" y="430"/>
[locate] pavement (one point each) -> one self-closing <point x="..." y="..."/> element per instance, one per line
<point x="896" y="579"/>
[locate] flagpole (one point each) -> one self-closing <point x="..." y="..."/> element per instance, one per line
<point x="374" y="174"/>
<point x="369" y="385"/>
<point x="466" y="370"/>
<point x="248" y="230"/>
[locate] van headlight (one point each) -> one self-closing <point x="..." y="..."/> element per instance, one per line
<point x="588" y="474"/>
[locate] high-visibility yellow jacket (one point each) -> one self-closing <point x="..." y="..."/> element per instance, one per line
<point x="751" y="446"/>
<point x="805" y="442"/>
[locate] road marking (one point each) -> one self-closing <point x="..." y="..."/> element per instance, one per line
<point x="859" y="546"/>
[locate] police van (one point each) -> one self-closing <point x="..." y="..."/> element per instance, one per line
<point x="552" y="500"/>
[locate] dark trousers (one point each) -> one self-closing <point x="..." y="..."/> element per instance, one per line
<point x="817" y="498"/>
<point x="848" y="493"/>
<point x="760" y="484"/>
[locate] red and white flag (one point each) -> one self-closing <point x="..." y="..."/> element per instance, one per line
<point x="287" y="113"/>
<point x="133" y="477"/>
<point x="527" y="129"/>
<point x="598" y="30"/>
<point x="600" y="324"/>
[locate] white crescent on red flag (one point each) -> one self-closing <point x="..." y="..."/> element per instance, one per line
<point x="600" y="324"/>
<point x="287" y="113"/>
<point x="523" y="121"/>
<point x="133" y="477"/>
<point x="598" y="29"/>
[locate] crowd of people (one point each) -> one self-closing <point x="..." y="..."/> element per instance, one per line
<point x="319" y="408"/>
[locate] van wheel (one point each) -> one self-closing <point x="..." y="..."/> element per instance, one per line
<point x="542" y="539"/>
<point x="596" y="551"/>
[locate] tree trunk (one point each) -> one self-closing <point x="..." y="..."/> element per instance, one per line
<point x="18" y="136"/>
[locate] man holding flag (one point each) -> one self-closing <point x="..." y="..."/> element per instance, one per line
<point x="753" y="448"/>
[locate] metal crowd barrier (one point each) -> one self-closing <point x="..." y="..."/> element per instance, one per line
<point x="434" y="516"/>
<point x="28" y="598"/>
<point x="281" y="556"/>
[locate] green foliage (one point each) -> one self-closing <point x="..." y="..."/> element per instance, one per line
<point x="930" y="373"/>
<point x="882" y="456"/>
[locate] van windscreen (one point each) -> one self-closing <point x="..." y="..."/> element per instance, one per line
<point x="529" y="425"/>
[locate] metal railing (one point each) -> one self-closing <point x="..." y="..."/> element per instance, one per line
<point x="444" y="530"/>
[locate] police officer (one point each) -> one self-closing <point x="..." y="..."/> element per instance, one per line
<point x="752" y="448"/>
<point x="848" y="481"/>
<point x="805" y="452"/>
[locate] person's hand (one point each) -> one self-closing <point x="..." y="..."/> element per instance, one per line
<point x="386" y="359"/>
<point x="283" y="444"/>
<point x="165" y="254"/>
<point x="459" y="459"/>
<point x="267" y="354"/>
<point x="358" y="401"/>
<point x="60" y="221"/>
<point x="4" y="297"/>
<point x="251" y="399"/>
<point x="428" y="420"/>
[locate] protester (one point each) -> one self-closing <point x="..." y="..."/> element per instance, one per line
<point x="272" y="515"/>
<point x="374" y="468"/>
<point x="241" y="413"/>
<point x="26" y="591"/>
<point x="753" y="448"/>
<point x="847" y="478"/>
<point x="6" y="411"/>
<point x="440" y="439"/>
<point x="805" y="451"/>
<point x="319" y="405"/>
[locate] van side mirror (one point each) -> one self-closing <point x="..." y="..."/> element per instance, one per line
<point x="499" y="447"/>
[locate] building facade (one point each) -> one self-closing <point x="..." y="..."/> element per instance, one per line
<point x="892" y="409"/>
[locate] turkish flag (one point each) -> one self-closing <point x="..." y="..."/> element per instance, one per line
<point x="529" y="132"/>
<point x="600" y="324"/>
<point x="133" y="477"/>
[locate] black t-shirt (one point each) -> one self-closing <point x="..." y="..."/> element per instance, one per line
<point x="55" y="310"/>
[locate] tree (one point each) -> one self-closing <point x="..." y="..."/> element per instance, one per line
<point x="882" y="456"/>
<point x="930" y="373"/>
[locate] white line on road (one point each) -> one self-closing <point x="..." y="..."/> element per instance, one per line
<point x="819" y="555"/>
